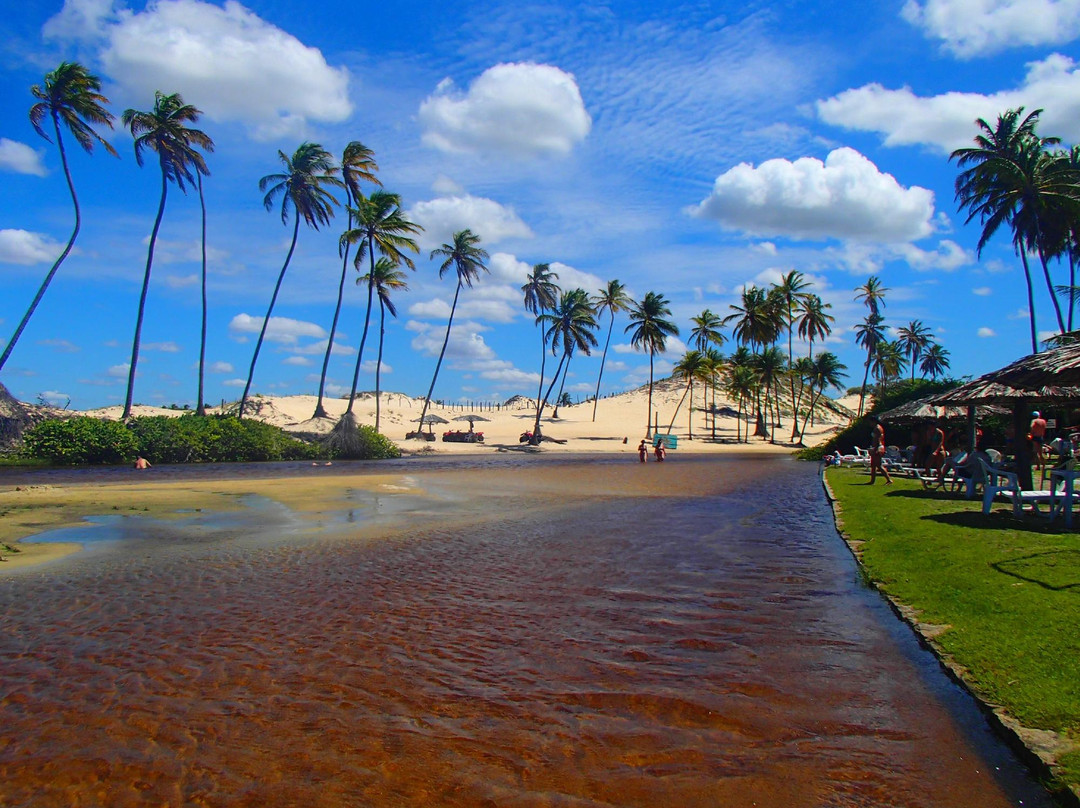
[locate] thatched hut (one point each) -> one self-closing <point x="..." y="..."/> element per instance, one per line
<point x="1047" y="378"/>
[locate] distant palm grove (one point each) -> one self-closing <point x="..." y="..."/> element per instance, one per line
<point x="1012" y="177"/>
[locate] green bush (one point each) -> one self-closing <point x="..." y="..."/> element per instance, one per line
<point x="188" y="438"/>
<point x="79" y="441"/>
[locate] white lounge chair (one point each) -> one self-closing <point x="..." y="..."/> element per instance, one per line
<point x="1004" y="483"/>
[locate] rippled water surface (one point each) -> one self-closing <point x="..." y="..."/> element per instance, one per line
<point x="580" y="633"/>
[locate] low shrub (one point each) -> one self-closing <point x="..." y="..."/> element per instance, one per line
<point x="80" y="441"/>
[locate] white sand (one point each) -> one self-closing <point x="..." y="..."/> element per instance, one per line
<point x="617" y="418"/>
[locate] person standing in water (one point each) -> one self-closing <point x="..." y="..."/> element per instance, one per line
<point x="642" y="451"/>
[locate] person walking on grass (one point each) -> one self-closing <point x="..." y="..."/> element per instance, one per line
<point x="877" y="452"/>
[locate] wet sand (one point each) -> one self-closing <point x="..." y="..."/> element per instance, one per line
<point x="585" y="632"/>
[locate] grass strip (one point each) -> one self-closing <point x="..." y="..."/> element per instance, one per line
<point x="999" y="598"/>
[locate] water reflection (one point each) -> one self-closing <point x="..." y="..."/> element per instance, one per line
<point x="573" y="634"/>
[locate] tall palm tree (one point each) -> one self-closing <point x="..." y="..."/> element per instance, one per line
<point x="914" y="338"/>
<point x="540" y="294"/>
<point x="357" y="163"/>
<point x="888" y="362"/>
<point x="934" y="362"/>
<point x="387" y="278"/>
<point x="814" y="323"/>
<point x="868" y="334"/>
<point x="769" y="365"/>
<point x="791" y="290"/>
<point x="714" y="368"/>
<point x="304" y="187"/>
<point x="649" y="331"/>
<point x="742" y="386"/>
<point x="707" y="330"/>
<point x="69" y="94"/>
<point x="467" y="259"/>
<point x="570" y="324"/>
<point x="827" y="371"/>
<point x="613" y="299"/>
<point x="164" y="131"/>
<point x="693" y="366"/>
<point x="757" y="323"/>
<point x="992" y="181"/>
<point x="561" y="398"/>
<point x="872" y="293"/>
<point x="1065" y="231"/>
<point x="381" y="227"/>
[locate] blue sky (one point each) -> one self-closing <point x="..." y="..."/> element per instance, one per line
<point x="686" y="149"/>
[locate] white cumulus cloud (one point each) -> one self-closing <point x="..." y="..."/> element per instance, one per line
<point x="24" y="247"/>
<point x="947" y="121"/>
<point x="20" y="158"/>
<point x="444" y="216"/>
<point x="521" y="109"/>
<point x="844" y="197"/>
<point x="969" y="28"/>
<point x="986" y="332"/>
<point x="279" y="329"/>
<point x="226" y="60"/>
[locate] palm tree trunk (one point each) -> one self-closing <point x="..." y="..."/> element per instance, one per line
<point x="266" y="320"/>
<point x="558" y="399"/>
<point x="678" y="407"/>
<point x="543" y="366"/>
<point x="603" y="359"/>
<point x="200" y="404"/>
<point x="1031" y="301"/>
<point x="648" y="415"/>
<point x="142" y="295"/>
<point x="543" y="401"/>
<point x="1072" y="287"/>
<point x="791" y="381"/>
<point x="67" y="249"/>
<point x="813" y="404"/>
<point x="442" y="353"/>
<point x="320" y="410"/>
<point x="363" y="337"/>
<point x="866" y="376"/>
<point x="378" y="364"/>
<point x="1050" y="288"/>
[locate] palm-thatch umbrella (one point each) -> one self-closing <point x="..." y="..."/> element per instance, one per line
<point x="430" y="419"/>
<point x="923" y="409"/>
<point x="1050" y="377"/>
<point x="471" y="418"/>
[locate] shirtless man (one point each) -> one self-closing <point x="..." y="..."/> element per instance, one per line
<point x="1037" y="431"/>
<point x="877" y="452"/>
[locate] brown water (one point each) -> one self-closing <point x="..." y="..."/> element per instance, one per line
<point x="583" y="633"/>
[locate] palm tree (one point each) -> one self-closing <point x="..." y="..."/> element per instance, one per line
<point x="791" y="291"/>
<point x="386" y="278"/>
<point x="302" y="186"/>
<point x="769" y="366"/>
<point x="757" y="323"/>
<point x="827" y="372"/>
<point x="934" y="362"/>
<point x="868" y="334"/>
<point x="70" y="94"/>
<point x="649" y="332"/>
<point x="714" y="367"/>
<point x="563" y="399"/>
<point x="914" y="339"/>
<point x="467" y="259"/>
<point x="380" y="226"/>
<point x="163" y="131"/>
<point x="707" y="330"/>
<point x="889" y="362"/>
<point x="613" y="298"/>
<point x="1066" y="231"/>
<point x="995" y="180"/>
<point x="872" y="293"/>
<point x="814" y="323"/>
<point x="357" y="163"/>
<point x="741" y="385"/>
<point x="540" y="294"/>
<point x="571" y="325"/>
<point x="693" y="365"/>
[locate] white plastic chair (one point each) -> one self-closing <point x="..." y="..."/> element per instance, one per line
<point x="1005" y="483"/>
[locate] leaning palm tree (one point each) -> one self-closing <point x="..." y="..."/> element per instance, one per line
<point x="381" y="227"/>
<point x="467" y="259"/>
<point x="304" y="187"/>
<point x="693" y="366"/>
<point x="991" y="182"/>
<point x="827" y="371"/>
<point x="386" y="278"/>
<point x="613" y="299"/>
<point x="164" y="131"/>
<point x="569" y="325"/>
<point x="868" y="334"/>
<point x="70" y="94"/>
<point x="935" y="361"/>
<point x="649" y="331"/>
<point x="357" y="163"/>
<point x="540" y="294"/>
<point x="914" y="339"/>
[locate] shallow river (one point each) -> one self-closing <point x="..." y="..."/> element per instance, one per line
<point x="529" y="633"/>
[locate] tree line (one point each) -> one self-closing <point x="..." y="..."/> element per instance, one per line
<point x="379" y="240"/>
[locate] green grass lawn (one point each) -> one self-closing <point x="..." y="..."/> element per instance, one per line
<point x="1008" y="590"/>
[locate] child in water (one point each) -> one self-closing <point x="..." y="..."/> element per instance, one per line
<point x="642" y="451"/>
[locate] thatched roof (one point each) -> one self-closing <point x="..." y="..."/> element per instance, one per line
<point x="924" y="409"/>
<point x="1051" y="376"/>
